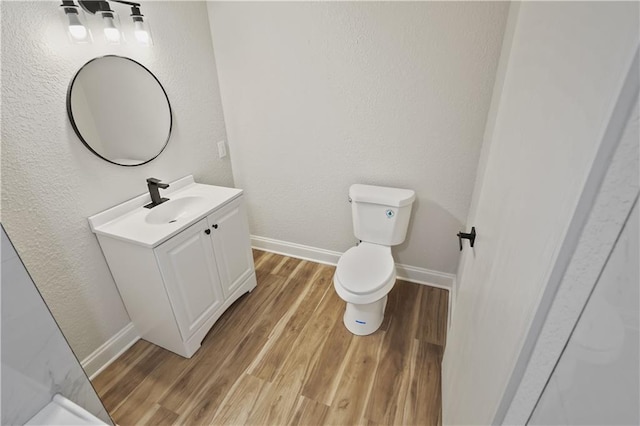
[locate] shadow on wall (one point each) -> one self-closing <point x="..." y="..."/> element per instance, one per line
<point x="430" y="221"/>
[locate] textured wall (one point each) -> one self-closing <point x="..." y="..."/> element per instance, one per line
<point x="596" y="379"/>
<point x="51" y="183"/>
<point x="318" y="96"/>
<point x="600" y="236"/>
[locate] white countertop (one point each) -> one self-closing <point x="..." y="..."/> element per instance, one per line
<point x="127" y="221"/>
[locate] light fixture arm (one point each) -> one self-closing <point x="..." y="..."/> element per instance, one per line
<point x="93" y="6"/>
<point x="130" y="3"/>
<point x="69" y="6"/>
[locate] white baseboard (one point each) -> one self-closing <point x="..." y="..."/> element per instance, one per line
<point x="409" y="273"/>
<point x="299" y="251"/>
<point x="102" y="357"/>
<point x="110" y="351"/>
<point x="425" y="276"/>
<point x="453" y="293"/>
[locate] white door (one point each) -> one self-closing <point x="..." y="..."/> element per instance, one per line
<point x="565" y="65"/>
<point x="232" y="245"/>
<point x="190" y="274"/>
<point x="596" y="379"/>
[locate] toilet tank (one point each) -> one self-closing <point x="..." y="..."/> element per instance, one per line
<point x="380" y="214"/>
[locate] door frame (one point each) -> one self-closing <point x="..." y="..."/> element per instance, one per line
<point x="599" y="217"/>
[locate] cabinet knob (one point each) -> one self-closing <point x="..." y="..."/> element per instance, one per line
<point x="207" y="231"/>
<point x="215" y="226"/>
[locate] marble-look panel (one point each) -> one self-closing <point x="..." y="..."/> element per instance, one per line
<point x="36" y="360"/>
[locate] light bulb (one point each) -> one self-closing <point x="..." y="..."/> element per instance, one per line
<point x="76" y="29"/>
<point x="111" y="33"/>
<point x="79" y="32"/>
<point x="142" y="35"/>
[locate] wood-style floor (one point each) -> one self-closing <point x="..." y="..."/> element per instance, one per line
<point x="281" y="355"/>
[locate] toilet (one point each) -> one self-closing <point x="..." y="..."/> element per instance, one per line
<point x="366" y="273"/>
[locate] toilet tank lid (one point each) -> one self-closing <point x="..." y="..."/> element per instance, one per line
<point x="394" y="197"/>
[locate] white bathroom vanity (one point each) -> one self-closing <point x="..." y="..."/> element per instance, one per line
<point x="181" y="264"/>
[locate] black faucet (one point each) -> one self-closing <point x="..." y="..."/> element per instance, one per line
<point x="154" y="184"/>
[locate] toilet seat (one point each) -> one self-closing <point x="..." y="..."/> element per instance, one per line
<point x="365" y="268"/>
<point x="365" y="273"/>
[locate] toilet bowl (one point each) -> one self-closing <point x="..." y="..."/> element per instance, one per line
<point x="366" y="273"/>
<point x="364" y="276"/>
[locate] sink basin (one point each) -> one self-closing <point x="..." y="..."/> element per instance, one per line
<point x="174" y="210"/>
<point x="188" y="203"/>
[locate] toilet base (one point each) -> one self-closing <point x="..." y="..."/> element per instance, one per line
<point x="364" y="319"/>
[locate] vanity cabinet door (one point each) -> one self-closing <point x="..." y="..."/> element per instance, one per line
<point x="188" y="268"/>
<point x="232" y="245"/>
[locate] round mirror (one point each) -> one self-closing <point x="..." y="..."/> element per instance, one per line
<point x="119" y="110"/>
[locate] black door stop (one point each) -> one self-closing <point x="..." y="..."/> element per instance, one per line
<point x="471" y="237"/>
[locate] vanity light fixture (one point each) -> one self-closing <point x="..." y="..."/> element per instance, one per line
<point x="111" y="25"/>
<point x="141" y="27"/>
<point x="73" y="19"/>
<point x="79" y="33"/>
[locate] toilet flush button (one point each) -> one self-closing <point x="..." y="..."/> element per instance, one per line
<point x="389" y="213"/>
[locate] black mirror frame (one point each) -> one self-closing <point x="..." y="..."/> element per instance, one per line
<point x="77" y="131"/>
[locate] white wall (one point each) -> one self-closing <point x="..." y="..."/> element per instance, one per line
<point x="51" y="183"/>
<point x="616" y="175"/>
<point x="565" y="70"/>
<point x="318" y="96"/>
<point x="596" y="379"/>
